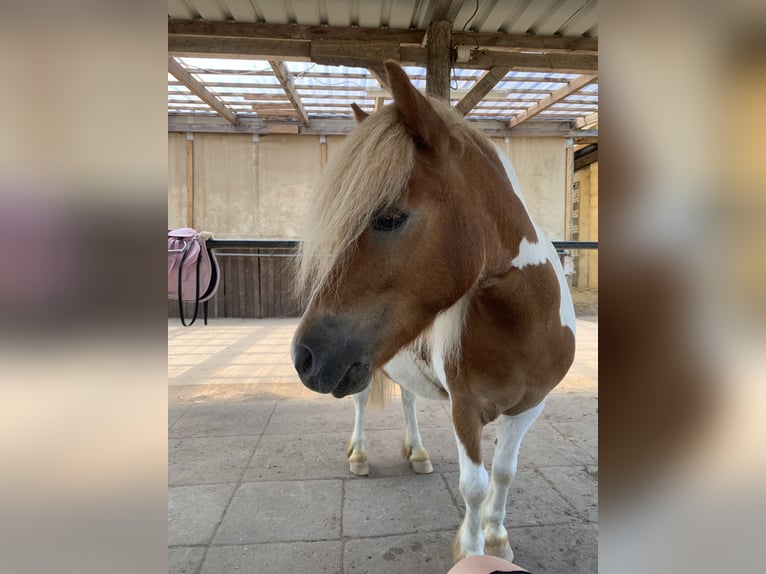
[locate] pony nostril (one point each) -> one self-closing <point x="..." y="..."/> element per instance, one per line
<point x="303" y="359"/>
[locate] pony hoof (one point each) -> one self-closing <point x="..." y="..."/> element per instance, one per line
<point x="500" y="548"/>
<point x="422" y="466"/>
<point x="360" y="468"/>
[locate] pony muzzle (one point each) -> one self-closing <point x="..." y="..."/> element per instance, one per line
<point x="326" y="370"/>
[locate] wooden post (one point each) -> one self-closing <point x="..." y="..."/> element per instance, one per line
<point x="190" y="180"/>
<point x="569" y="182"/>
<point x="439" y="36"/>
<point x="323" y="150"/>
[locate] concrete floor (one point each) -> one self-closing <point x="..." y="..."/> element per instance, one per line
<point x="259" y="482"/>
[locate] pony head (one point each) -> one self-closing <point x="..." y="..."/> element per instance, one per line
<point x="397" y="233"/>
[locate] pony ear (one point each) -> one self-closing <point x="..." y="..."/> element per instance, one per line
<point x="359" y="113"/>
<point x="415" y="111"/>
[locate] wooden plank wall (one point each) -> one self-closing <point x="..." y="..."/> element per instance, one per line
<point x="253" y="286"/>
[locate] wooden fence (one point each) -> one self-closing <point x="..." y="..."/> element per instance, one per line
<point x="255" y="283"/>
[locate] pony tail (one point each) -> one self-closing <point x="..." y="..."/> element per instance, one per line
<point x="381" y="390"/>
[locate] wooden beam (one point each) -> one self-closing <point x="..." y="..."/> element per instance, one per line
<point x="353" y="54"/>
<point x="480" y="89"/>
<point x="439" y="52"/>
<point x="248" y="48"/>
<point x="518" y="61"/>
<point x="588" y="120"/>
<point x="200" y="91"/>
<point x="187" y="123"/>
<point x="323" y="151"/>
<point x="291" y="32"/>
<point x="203" y="28"/>
<point x="282" y="129"/>
<point x="532" y="42"/>
<point x="288" y="85"/>
<point x="190" y="180"/>
<point x="573" y="86"/>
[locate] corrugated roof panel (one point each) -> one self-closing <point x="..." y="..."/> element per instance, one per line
<point x="273" y="12"/>
<point x="581" y="21"/>
<point x="338" y="12"/>
<point x="306" y="12"/>
<point x="179" y="9"/>
<point x="401" y="14"/>
<point x="208" y="9"/>
<point x="242" y="10"/>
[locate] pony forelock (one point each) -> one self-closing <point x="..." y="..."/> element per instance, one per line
<point x="368" y="173"/>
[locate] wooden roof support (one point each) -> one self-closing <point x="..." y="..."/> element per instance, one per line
<point x="481" y="88"/>
<point x="345" y="53"/>
<point x="288" y="85"/>
<point x="585" y="121"/>
<point x="442" y="10"/>
<point x="251" y="30"/>
<point x="570" y="63"/>
<point x="200" y="91"/>
<point x="439" y="58"/>
<point x="573" y="86"/>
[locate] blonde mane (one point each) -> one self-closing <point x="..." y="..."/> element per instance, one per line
<point x="369" y="173"/>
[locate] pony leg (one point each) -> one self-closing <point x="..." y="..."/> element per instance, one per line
<point x="510" y="432"/>
<point x="473" y="485"/>
<point x="357" y="449"/>
<point x="412" y="447"/>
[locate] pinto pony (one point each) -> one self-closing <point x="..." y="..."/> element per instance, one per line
<point x="420" y="261"/>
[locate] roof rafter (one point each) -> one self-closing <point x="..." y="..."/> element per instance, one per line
<point x="183" y="76"/>
<point x="588" y="120"/>
<point x="481" y="88"/>
<point x="573" y="86"/>
<point x="288" y="85"/>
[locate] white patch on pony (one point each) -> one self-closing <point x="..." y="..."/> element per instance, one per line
<point x="474" y="481"/>
<point x="530" y="254"/>
<point x="446" y="336"/>
<point x="408" y="374"/>
<point x="566" y="306"/>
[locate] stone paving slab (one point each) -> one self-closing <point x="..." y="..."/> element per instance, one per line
<point x="275" y="558"/>
<point x="195" y="511"/>
<point x="185" y="560"/>
<point x="222" y="420"/>
<point x="414" y="553"/>
<point x="382" y="506"/>
<point x="564" y="549"/>
<point x="292" y="510"/>
<point x="203" y="460"/>
<point x="572" y="407"/>
<point x="287" y="456"/>
<point x="578" y="485"/>
<point x="584" y="434"/>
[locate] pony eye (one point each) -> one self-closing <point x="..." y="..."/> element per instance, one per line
<point x="389" y="220"/>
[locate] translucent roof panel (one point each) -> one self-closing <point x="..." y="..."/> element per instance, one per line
<point x="251" y="88"/>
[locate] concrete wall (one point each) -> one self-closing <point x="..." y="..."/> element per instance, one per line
<point x="176" y="181"/>
<point x="246" y="189"/>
